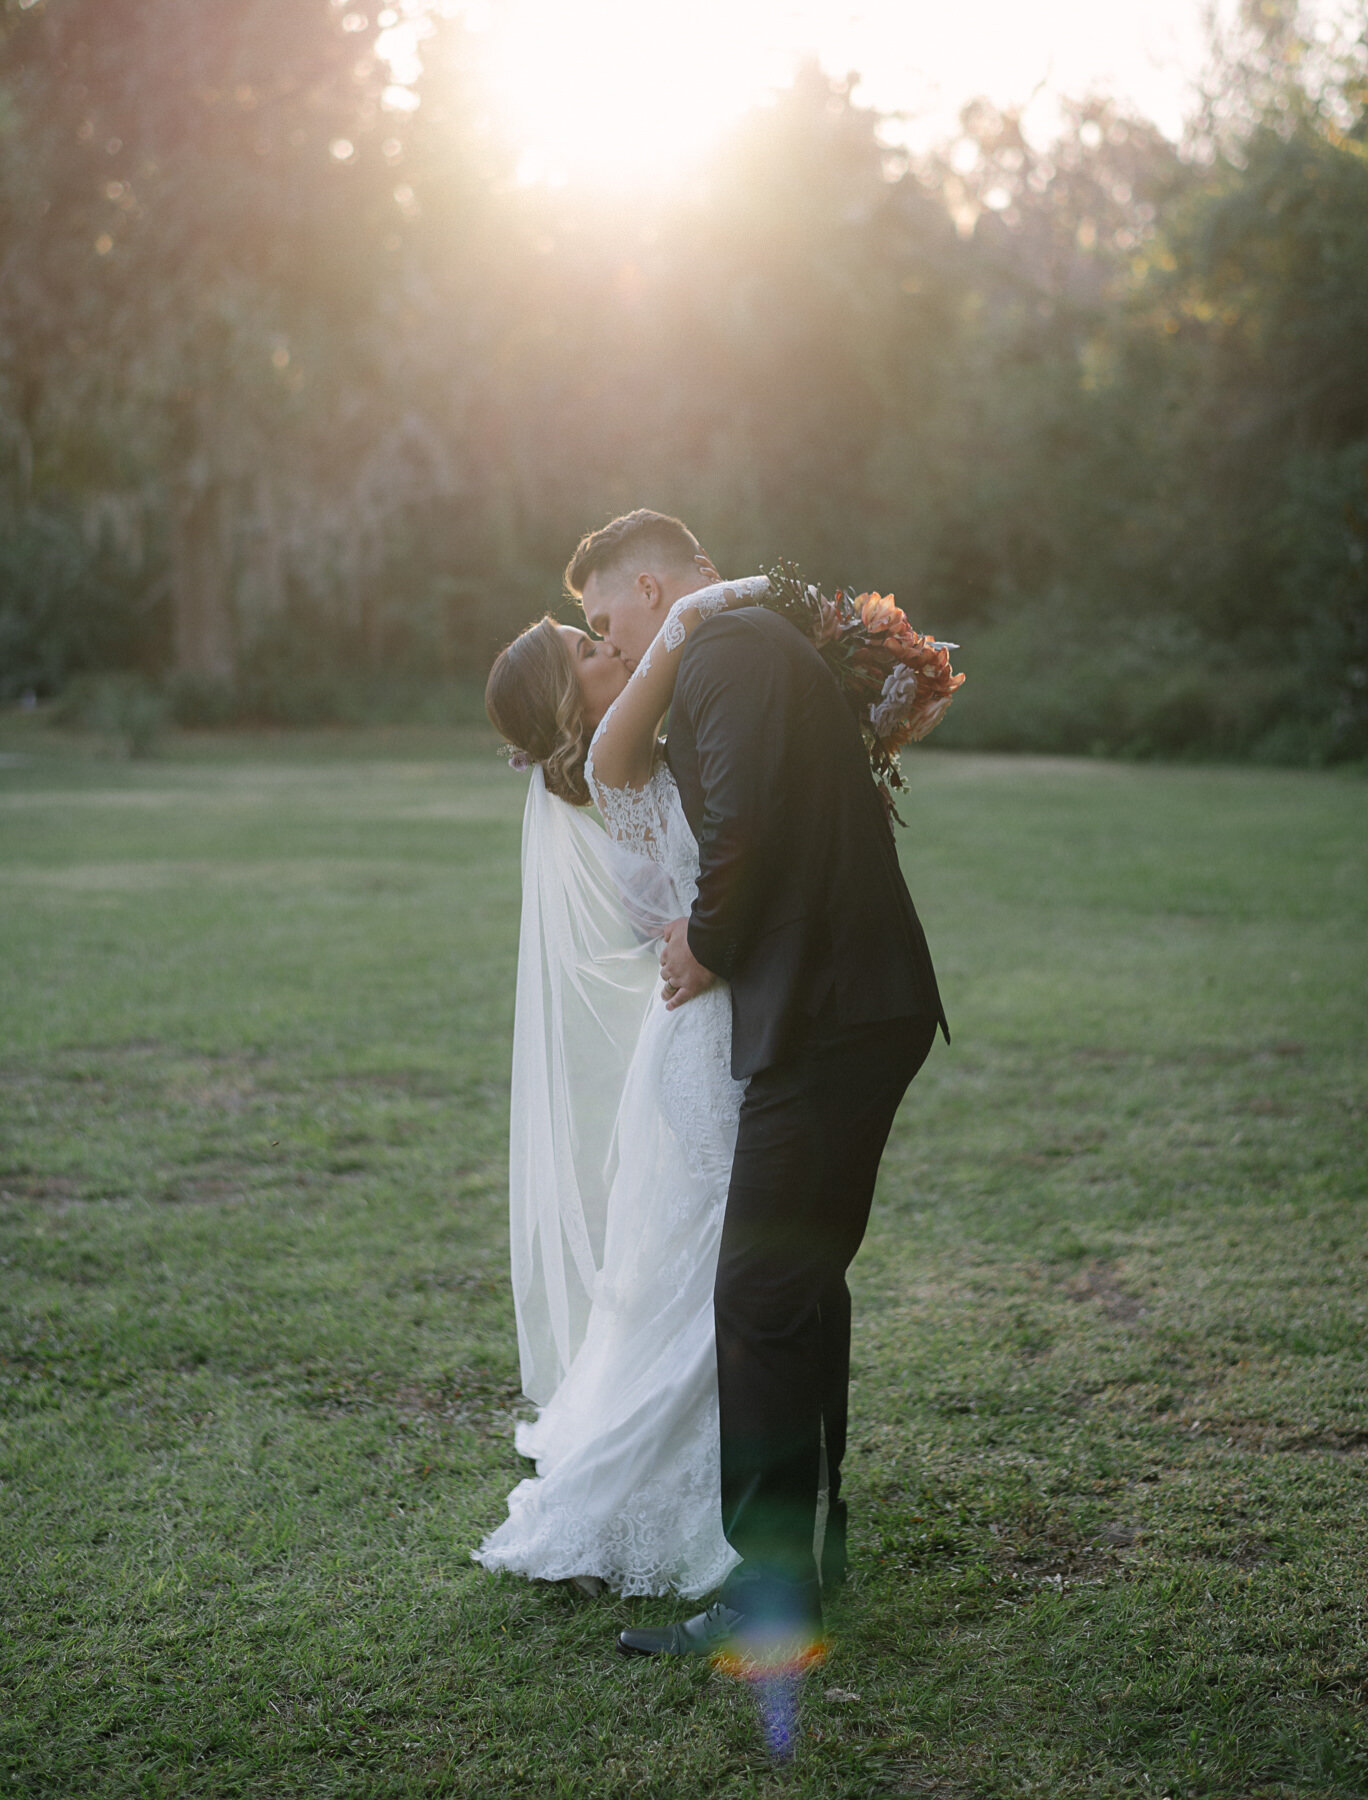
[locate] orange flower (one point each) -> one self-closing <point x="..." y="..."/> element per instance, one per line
<point x="931" y="663"/>
<point x="930" y="716"/>
<point x="880" y="614"/>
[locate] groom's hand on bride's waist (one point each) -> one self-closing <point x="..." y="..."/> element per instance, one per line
<point x="680" y="970"/>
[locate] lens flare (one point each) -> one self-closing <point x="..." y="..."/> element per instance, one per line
<point x="774" y="1675"/>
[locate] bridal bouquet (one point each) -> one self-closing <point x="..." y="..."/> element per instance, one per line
<point x="898" y="682"/>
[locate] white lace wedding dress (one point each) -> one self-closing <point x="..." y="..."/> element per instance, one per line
<point x="626" y="1447"/>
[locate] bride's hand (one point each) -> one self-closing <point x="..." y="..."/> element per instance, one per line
<point x="683" y="975"/>
<point x="706" y="569"/>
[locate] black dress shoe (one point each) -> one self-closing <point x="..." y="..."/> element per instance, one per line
<point x="703" y="1635"/>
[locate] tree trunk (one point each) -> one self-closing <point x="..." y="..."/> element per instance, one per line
<point x="204" y="639"/>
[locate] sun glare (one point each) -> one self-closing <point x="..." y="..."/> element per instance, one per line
<point x="624" y="92"/>
<point x="629" y="92"/>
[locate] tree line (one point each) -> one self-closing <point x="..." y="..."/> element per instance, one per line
<point x="302" y="392"/>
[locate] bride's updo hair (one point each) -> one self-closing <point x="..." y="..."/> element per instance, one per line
<point x="533" y="698"/>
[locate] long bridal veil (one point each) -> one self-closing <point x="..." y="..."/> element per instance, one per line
<point x="623" y="1126"/>
<point x="587" y="970"/>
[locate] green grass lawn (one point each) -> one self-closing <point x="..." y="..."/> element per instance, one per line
<point x="1110" y="1514"/>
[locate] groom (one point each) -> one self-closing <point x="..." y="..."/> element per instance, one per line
<point x="802" y="908"/>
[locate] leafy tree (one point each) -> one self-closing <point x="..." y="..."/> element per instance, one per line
<point x="200" y="211"/>
<point x="297" y="382"/>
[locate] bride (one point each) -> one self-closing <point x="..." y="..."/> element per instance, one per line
<point x="623" y="1126"/>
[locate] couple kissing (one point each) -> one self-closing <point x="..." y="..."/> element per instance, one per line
<point x="723" y="993"/>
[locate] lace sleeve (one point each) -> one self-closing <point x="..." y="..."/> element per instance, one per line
<point x="634" y="816"/>
<point x="634" y="810"/>
<point x="704" y="602"/>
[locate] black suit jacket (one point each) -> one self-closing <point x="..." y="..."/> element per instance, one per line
<point x="801" y="904"/>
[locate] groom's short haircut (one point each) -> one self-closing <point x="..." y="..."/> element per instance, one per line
<point x="645" y="535"/>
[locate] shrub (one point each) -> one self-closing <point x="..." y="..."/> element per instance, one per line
<point x="122" y="705"/>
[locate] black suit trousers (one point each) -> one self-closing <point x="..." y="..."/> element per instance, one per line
<point x="812" y="1130"/>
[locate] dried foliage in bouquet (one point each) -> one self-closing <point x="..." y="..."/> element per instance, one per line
<point x="898" y="683"/>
